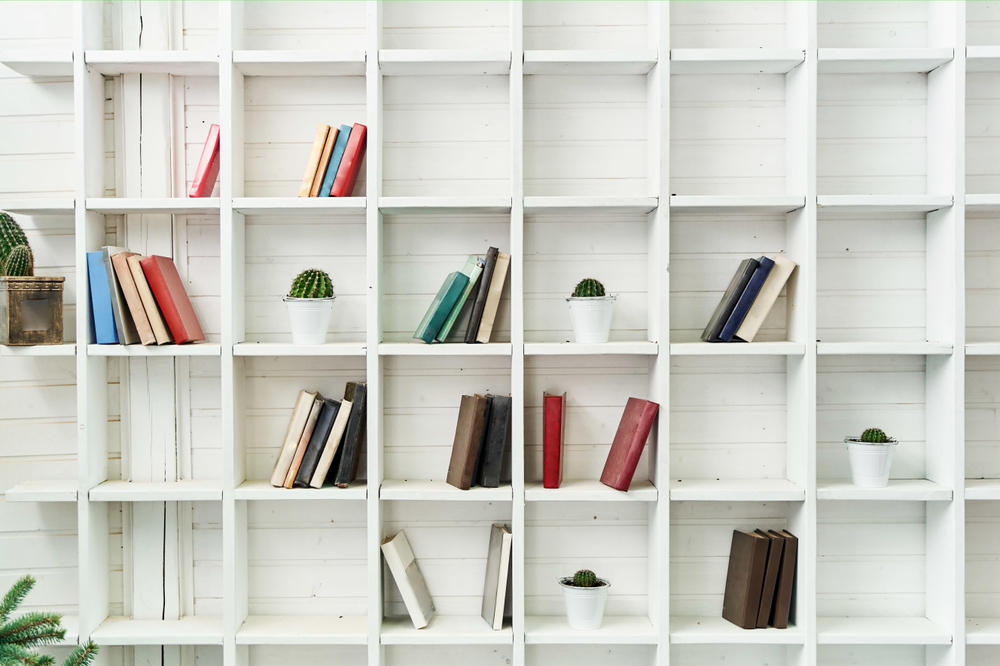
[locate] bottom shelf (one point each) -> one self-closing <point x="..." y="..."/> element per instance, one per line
<point x="880" y="631"/>
<point x="615" y="629"/>
<point x="303" y="630"/>
<point x="444" y="630"/>
<point x="982" y="630"/>
<point x="190" y="630"/>
<point x="715" y="630"/>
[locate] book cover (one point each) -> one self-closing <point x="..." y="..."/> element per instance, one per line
<point x="149" y="305"/>
<point x="553" y="432"/>
<point x="303" y="443"/>
<point x="350" y="164"/>
<point x="439" y="308"/>
<point x="764" y="266"/>
<point x="410" y="582"/>
<point x="498" y="442"/>
<point x="725" y="307"/>
<point x="775" y="548"/>
<point x="465" y="447"/>
<point x="745" y="579"/>
<point x="633" y="430"/>
<point x="319" y="142"/>
<point x="477" y="472"/>
<point x="332" y="445"/>
<point x="324" y="162"/>
<point x="472" y="330"/>
<point x="354" y="436"/>
<point x="127" y="334"/>
<point x="473" y="268"/>
<point x="776" y="279"/>
<point x="493" y="298"/>
<point x="303" y="405"/>
<point x="343" y="134"/>
<point x="166" y="285"/>
<point x="317" y="441"/>
<point x="497" y="568"/>
<point x="782" y="606"/>
<point x="208" y="166"/>
<point x="105" y="332"/>
<point x="132" y="300"/>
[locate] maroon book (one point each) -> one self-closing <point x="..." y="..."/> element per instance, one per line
<point x="161" y="274"/>
<point x="553" y="428"/>
<point x="633" y="430"/>
<point x="350" y="164"/>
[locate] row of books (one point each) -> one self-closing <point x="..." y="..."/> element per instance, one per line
<point x="453" y="313"/>
<point x="749" y="298"/>
<point x="334" y="161"/>
<point x="323" y="441"/>
<point x="482" y="441"/>
<point x="760" y="579"/>
<point x="417" y="598"/>
<point x="136" y="299"/>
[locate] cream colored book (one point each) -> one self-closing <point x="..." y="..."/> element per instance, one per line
<point x="303" y="444"/>
<point x="319" y="143"/>
<point x="131" y="293"/>
<point x="497" y="570"/>
<point x="303" y="405"/>
<point x="332" y="444"/>
<point x="324" y="161"/>
<point x="409" y="580"/>
<point x="493" y="298"/>
<point x="149" y="305"/>
<point x="776" y="279"/>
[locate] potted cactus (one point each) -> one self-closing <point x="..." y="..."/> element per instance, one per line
<point x="590" y="310"/>
<point x="31" y="310"/>
<point x="309" y="303"/>
<point x="871" y="457"/>
<point x="585" y="595"/>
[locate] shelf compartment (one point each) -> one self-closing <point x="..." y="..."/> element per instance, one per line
<point x="592" y="62"/>
<point x="441" y="62"/>
<point x="592" y="205"/>
<point x="693" y="630"/>
<point x="444" y="630"/>
<point x="444" y="349"/>
<point x="157" y="491"/>
<point x="882" y="203"/>
<point x="615" y="630"/>
<point x="880" y="631"/>
<point x="66" y="349"/>
<point x="61" y="490"/>
<point x="288" y="349"/>
<point x="303" y="630"/>
<point x="688" y="203"/>
<point x="639" y="348"/>
<point x="735" y="61"/>
<point x="264" y="491"/>
<point x="736" y="490"/>
<point x="154" y="206"/>
<point x="982" y="489"/>
<point x="440" y="491"/>
<point x="882" y="61"/>
<point x="982" y="630"/>
<point x="396" y="205"/>
<point x="300" y="63"/>
<point x="913" y="490"/>
<point x="39" y="64"/>
<point x="738" y="349"/>
<point x="589" y="490"/>
<point x="884" y="348"/>
<point x="191" y="349"/>
<point x="177" y="63"/>
<point x="299" y="206"/>
<point x="190" y="630"/>
<point x="39" y="206"/>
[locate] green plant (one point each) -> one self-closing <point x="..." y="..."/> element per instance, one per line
<point x="585" y="578"/>
<point x="588" y="288"/>
<point x="874" y="436"/>
<point x="20" y="636"/>
<point x="311" y="283"/>
<point x="16" y="259"/>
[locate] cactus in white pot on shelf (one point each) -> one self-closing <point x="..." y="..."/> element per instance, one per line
<point x="590" y="310"/>
<point x="871" y="457"/>
<point x="585" y="595"/>
<point x="310" y="302"/>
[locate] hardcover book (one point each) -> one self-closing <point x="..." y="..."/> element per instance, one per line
<point x="493" y="298"/>
<point x="320" y="435"/>
<point x="338" y="154"/>
<point x="468" y="434"/>
<point x="149" y="305"/>
<point x="553" y="432"/>
<point x="498" y="442"/>
<point x="472" y="330"/>
<point x="303" y="405"/>
<point x="161" y="274"/>
<point x="350" y="449"/>
<point x="776" y="279"/>
<point x="775" y="548"/>
<point x="728" y="302"/>
<point x="208" y="166"/>
<point x="332" y="445"/>
<point x="105" y="332"/>
<point x="403" y="566"/>
<point x="324" y="162"/>
<point x="764" y="266"/>
<point x="127" y="334"/>
<point x="132" y="299"/>
<point x="439" y="308"/>
<point x="319" y="142"/>
<point x="786" y="581"/>
<point x="747" y="562"/>
<point x="303" y="443"/>
<point x="633" y="430"/>
<point x="497" y="569"/>
<point x="350" y="164"/>
<point x="473" y="268"/>
<point x="477" y="472"/>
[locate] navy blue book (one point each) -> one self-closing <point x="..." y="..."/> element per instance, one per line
<point x="760" y="274"/>
<point x="100" y="300"/>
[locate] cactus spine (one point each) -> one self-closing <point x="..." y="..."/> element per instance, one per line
<point x="874" y="436"/>
<point x="588" y="288"/>
<point x="585" y="578"/>
<point x="311" y="283"/>
<point x="16" y="259"/>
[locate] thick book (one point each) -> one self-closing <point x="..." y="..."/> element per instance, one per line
<point x="493" y="298"/>
<point x="303" y="443"/>
<point x="465" y="447"/>
<point x="725" y="307"/>
<point x="403" y="567"/>
<point x="208" y="166"/>
<point x="324" y="162"/>
<point x="127" y="334"/>
<point x="786" y="581"/>
<point x="149" y="305"/>
<point x="354" y="436"/>
<point x="745" y="579"/>
<point x="764" y="266"/>
<point x="498" y="442"/>
<point x="775" y="282"/>
<point x="439" y="308"/>
<point x="161" y="274"/>
<point x="317" y="442"/>
<point x="132" y="299"/>
<point x="472" y="330"/>
<point x="332" y="445"/>
<point x="497" y="568"/>
<point x="350" y="164"/>
<point x="775" y="548"/>
<point x="319" y="142"/>
<point x="303" y="405"/>
<point x="633" y="430"/>
<point x="473" y="268"/>
<point x="343" y="134"/>
<point x="553" y="433"/>
<point x="105" y="332"/>
<point x="477" y="472"/>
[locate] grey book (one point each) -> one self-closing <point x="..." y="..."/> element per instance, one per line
<point x="497" y="574"/>
<point x="728" y="303"/>
<point x="498" y="442"/>
<point x="127" y="334"/>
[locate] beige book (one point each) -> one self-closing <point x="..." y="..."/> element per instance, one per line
<point x="409" y="580"/>
<point x="132" y="300"/>
<point x="493" y="297"/>
<point x="766" y="297"/>
<point x="332" y="444"/>
<point x="303" y="406"/>
<point x="324" y="162"/>
<point x="303" y="443"/>
<point x="149" y="306"/>
<point x="314" y="156"/>
<point x="497" y="569"/>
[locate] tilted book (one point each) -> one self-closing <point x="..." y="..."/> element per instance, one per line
<point x="775" y="282"/>
<point x="132" y="300"/>
<point x="350" y="164"/>
<point x="324" y="162"/>
<point x="319" y="142"/>
<point x="747" y="562"/>
<point x="332" y="445"/>
<point x="481" y="293"/>
<point x="774" y="552"/>
<point x="161" y="273"/>
<point x="553" y="433"/>
<point x="343" y="134"/>
<point x="465" y="447"/>
<point x="208" y="166"/>
<point x="498" y="442"/>
<point x="781" y="609"/>
<point x="127" y="334"/>
<point x="303" y="444"/>
<point x="105" y="332"/>
<point x="317" y="441"/>
<point x="350" y="449"/>
<point x="409" y="580"/>
<point x="149" y="305"/>
<point x="633" y="430"/>
<point x="473" y="268"/>
<point x="439" y="308"/>
<point x="497" y="568"/>
<point x="493" y="298"/>
<point x="303" y="405"/>
<point x="728" y="302"/>
<point x="764" y="266"/>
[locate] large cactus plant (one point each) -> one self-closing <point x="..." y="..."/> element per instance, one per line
<point x="311" y="283"/>
<point x="588" y="288"/>
<point x="16" y="259"/>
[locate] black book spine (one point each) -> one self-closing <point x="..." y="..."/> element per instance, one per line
<point x="499" y="441"/>
<point x="477" y="473"/>
<point x="484" y="289"/>
<point x="321" y="433"/>
<point x="347" y="470"/>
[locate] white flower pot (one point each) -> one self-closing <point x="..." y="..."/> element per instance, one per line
<point x="870" y="462"/>
<point x="310" y="319"/>
<point x="591" y="317"/>
<point x="584" y="605"/>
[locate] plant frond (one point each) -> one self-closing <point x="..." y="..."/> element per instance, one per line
<point x="83" y="655"/>
<point x="15" y="595"/>
<point x="33" y="629"/>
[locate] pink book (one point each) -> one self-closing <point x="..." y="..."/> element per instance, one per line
<point x="208" y="166"/>
<point x="633" y="429"/>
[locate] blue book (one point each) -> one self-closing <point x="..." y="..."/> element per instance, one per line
<point x="335" y="157"/>
<point x="746" y="299"/>
<point x="441" y="306"/>
<point x="100" y="300"/>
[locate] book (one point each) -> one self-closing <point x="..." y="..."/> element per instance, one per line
<point x="403" y="567"/>
<point x="324" y="162"/>
<point x="497" y="568"/>
<point x="166" y="285"/>
<point x="350" y="164"/>
<point x="208" y="166"/>
<point x="776" y="547"/>
<point x="764" y="266"/>
<point x="725" y="307"/>
<point x="303" y="405"/>
<point x="354" y="435"/>
<point x="776" y="279"/>
<point x="332" y="445"/>
<point x="317" y="442"/>
<point x="477" y="471"/>
<point x="465" y="447"/>
<point x="127" y="334"/>
<point x="149" y="305"/>
<point x="553" y="432"/>
<point x="303" y="443"/>
<point x="319" y="142"/>
<point x="481" y="293"/>
<point x="338" y="154"/>
<point x="633" y="430"/>
<point x="473" y="268"/>
<point x="493" y="298"/>
<point x="745" y="579"/>
<point x="782" y="606"/>
<point x="439" y="308"/>
<point x="498" y="442"/>
<point x="132" y="300"/>
<point x="105" y="332"/>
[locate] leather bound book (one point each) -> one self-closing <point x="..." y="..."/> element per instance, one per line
<point x="764" y="266"/>
<point x="553" y="432"/>
<point x="350" y="164"/>
<point x="332" y="445"/>
<point x="324" y="161"/>
<point x="127" y="334"/>
<point x="303" y="444"/>
<point x="161" y="274"/>
<point x="354" y="436"/>
<point x="728" y="302"/>
<point x="493" y="298"/>
<point x="320" y="434"/>
<point x="208" y="166"/>
<point x="633" y="430"/>
<point x="774" y="551"/>
<point x="149" y="305"/>
<point x="477" y="473"/>
<point x="303" y="405"/>
<point x="786" y="581"/>
<point x="747" y="562"/>
<point x="498" y="442"/>
<point x="338" y="154"/>
<point x="468" y="434"/>
<point x="484" y="289"/>
<point x="132" y="300"/>
<point x="319" y="142"/>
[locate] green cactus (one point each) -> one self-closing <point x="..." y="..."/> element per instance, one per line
<point x="588" y="288"/>
<point x="16" y="259"/>
<point x="311" y="283"/>
<point x="585" y="578"/>
<point x="874" y="436"/>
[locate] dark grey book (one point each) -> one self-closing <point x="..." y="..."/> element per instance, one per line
<point x="350" y="448"/>
<point x="478" y="472"/>
<point x="317" y="441"/>
<point x="728" y="303"/>
<point x="484" y="290"/>
<point x="498" y="442"/>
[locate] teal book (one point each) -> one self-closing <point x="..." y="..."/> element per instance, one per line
<point x="442" y="304"/>
<point x="473" y="267"/>
<point x="335" y="157"/>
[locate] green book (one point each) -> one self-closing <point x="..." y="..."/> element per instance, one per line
<point x="473" y="267"/>
<point x="441" y="306"/>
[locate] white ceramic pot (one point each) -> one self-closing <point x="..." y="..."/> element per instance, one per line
<point x="870" y="462"/>
<point x="584" y="605"/>
<point x="591" y="317"/>
<point x="310" y="319"/>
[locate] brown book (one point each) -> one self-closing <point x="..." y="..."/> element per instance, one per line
<point x="300" y="448"/>
<point x="149" y="305"/>
<point x="468" y="434"/>
<point x="324" y="162"/>
<point x="132" y="300"/>
<point x="493" y="298"/>
<point x="319" y="142"/>
<point x="786" y="581"/>
<point x="774" y="551"/>
<point x="747" y="562"/>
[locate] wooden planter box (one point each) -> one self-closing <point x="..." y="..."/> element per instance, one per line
<point x="31" y="310"/>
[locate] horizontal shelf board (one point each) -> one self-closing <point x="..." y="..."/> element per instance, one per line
<point x="880" y="631"/>
<point x="60" y="490"/>
<point x="71" y="623"/>
<point x="39" y="64"/>
<point x="190" y="630"/>
<point x="736" y="490"/>
<point x="397" y="205"/>
<point x="303" y="630"/>
<point x="916" y="490"/>
<point x="982" y="58"/>
<point x="686" y="203"/>
<point x="689" y="630"/>
<point x="65" y="349"/>
<point x="638" y="348"/>
<point x="737" y="349"/>
<point x="982" y="203"/>
<point x="263" y="490"/>
<point x="579" y="62"/>
<point x="982" y="489"/>
<point x="393" y="489"/>
<point x="444" y="349"/>
<point x="595" y="205"/>
<point x="153" y="206"/>
<point x="420" y="62"/>
<point x="884" y="348"/>
<point x="982" y="630"/>
<point x="444" y="630"/>
<point x="190" y="349"/>
<point x="879" y="61"/>
<point x="288" y="349"/>
<point x="589" y="490"/>
<point x="157" y="491"/>
<point x="300" y="63"/>
<point x="49" y="206"/>
<point x="982" y="349"/>
<point x="882" y="203"/>
<point x="735" y="61"/>
<point x="615" y="630"/>
<point x="300" y="205"/>
<point x="178" y="63"/>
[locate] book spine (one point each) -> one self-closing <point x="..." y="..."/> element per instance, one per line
<point x="324" y="162"/>
<point x="499" y="442"/>
<point x="324" y="425"/>
<point x="350" y="449"/>
<point x="127" y="334"/>
<point x="207" y="172"/>
<point x="484" y="289"/>
<point x="746" y="300"/>
<point x="489" y="315"/>
<point x="314" y="156"/>
<point x="303" y="445"/>
<point x="350" y="165"/>
<point x="292" y="435"/>
<point x="552" y="439"/>
<point x="132" y="299"/>
<point x="105" y="332"/>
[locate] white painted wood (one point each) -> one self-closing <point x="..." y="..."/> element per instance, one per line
<point x="302" y="630"/>
<point x="157" y="491"/>
<point x="589" y="205"/>
<point x="982" y="489"/>
<point x="396" y="205"/>
<point x="65" y="349"/>
<point x="286" y="349"/>
<point x="39" y="206"/>
<point x="422" y="349"/>
<point x="590" y="349"/>
<point x="299" y="207"/>
<point x="876" y="60"/>
<point x="300" y="63"/>
<point x="263" y="490"/>
<point x="751" y="349"/>
<point x="193" y="630"/>
<point x="736" y="490"/>
<point x="735" y="204"/>
<point x="577" y="62"/>
<point x="153" y="205"/>
<point x="735" y="61"/>
<point x="982" y="631"/>
<point x="881" y="631"/>
<point x="189" y="349"/>
<point x="588" y="490"/>
<point x="443" y="630"/>
<point x="427" y="62"/>
<point x="417" y="490"/>
<point x="176" y="63"/>
<point x="714" y="630"/>
<point x="884" y="348"/>
<point x="43" y="491"/>
<point x="883" y="203"/>
<point x="916" y="490"/>
<point x="615" y="630"/>
<point x="41" y="64"/>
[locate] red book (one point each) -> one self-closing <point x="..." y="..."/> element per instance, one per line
<point x="350" y="165"/>
<point x="166" y="285"/>
<point x="633" y="430"/>
<point x="553" y="429"/>
<point x="208" y="166"/>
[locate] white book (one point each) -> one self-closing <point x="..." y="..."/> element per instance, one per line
<point x="409" y="580"/>
<point x="331" y="445"/>
<point x="303" y="405"/>
<point x="497" y="573"/>
<point x="766" y="297"/>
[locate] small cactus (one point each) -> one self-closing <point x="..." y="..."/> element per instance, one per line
<point x="588" y="288"/>
<point x="311" y="283"/>
<point x="585" y="578"/>
<point x="874" y="436"/>
<point x="16" y="259"/>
